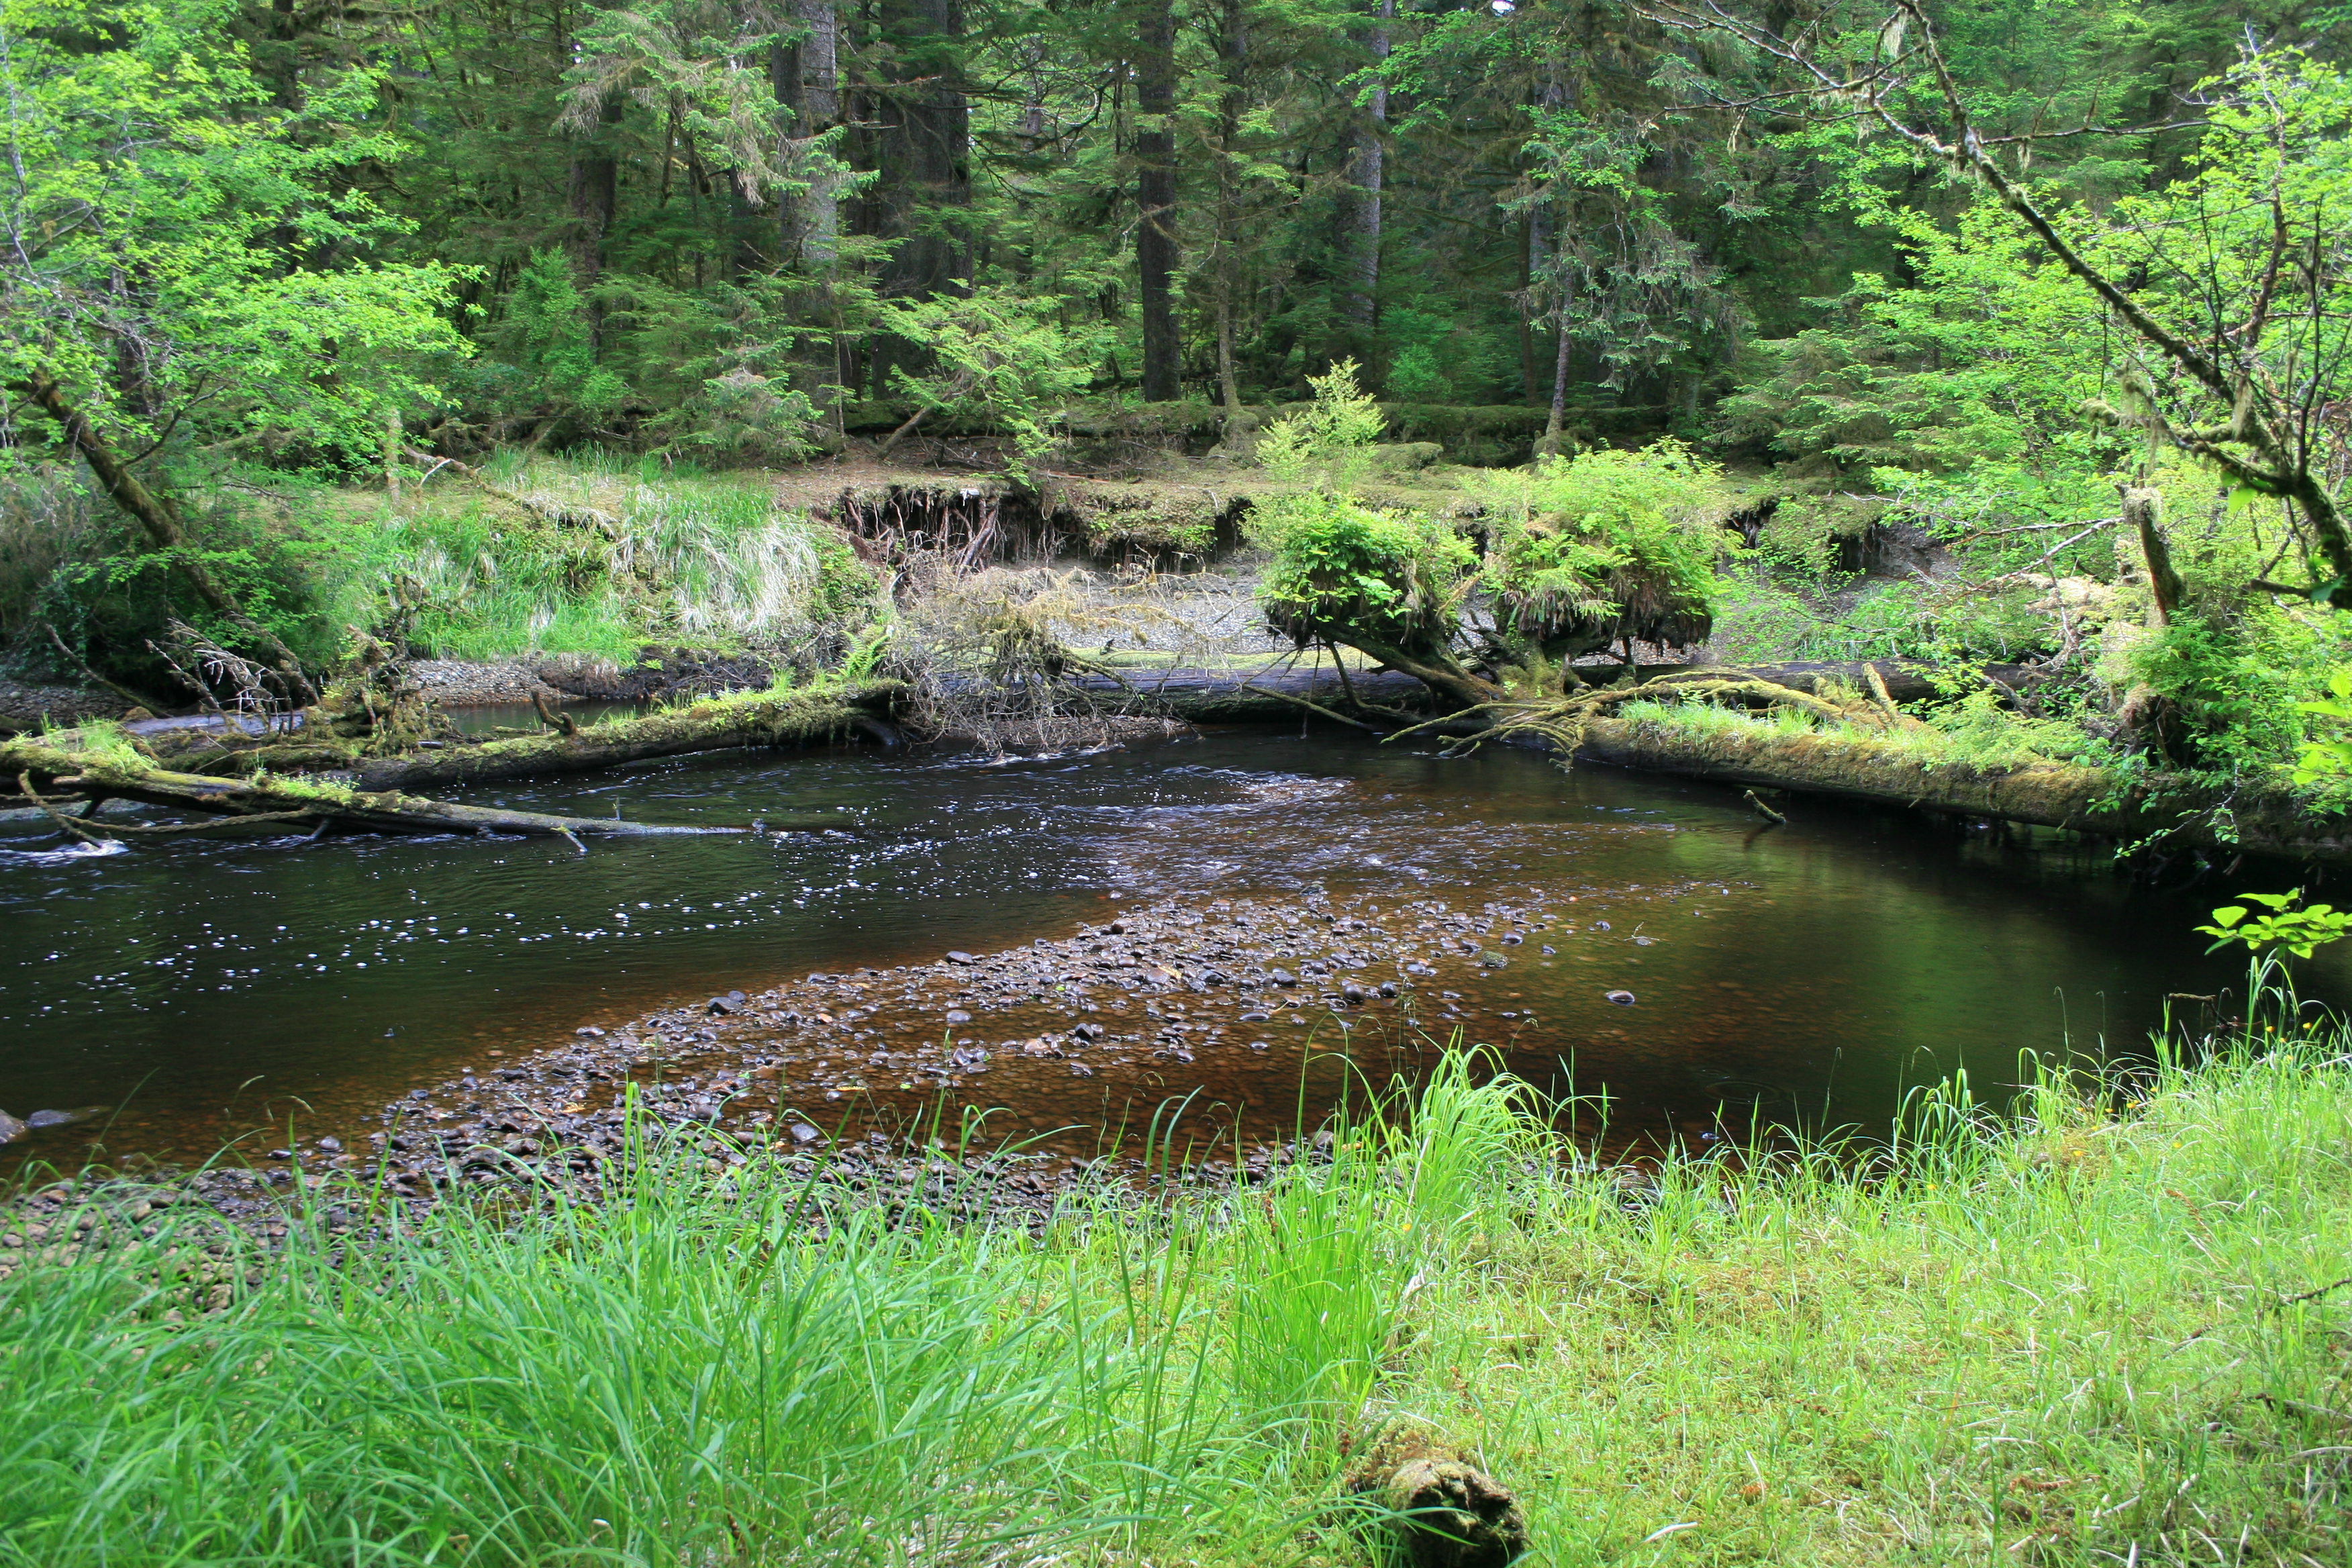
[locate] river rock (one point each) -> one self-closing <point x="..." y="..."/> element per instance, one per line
<point x="1453" y="1515"/>
<point x="40" y="1119"/>
<point x="1623" y="998"/>
<point x="10" y="1128"/>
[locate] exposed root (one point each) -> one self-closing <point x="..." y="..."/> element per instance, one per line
<point x="990" y="656"/>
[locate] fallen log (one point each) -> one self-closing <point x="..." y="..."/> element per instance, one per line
<point x="52" y="779"/>
<point x="303" y="779"/>
<point x="1858" y="766"/>
<point x="764" y="720"/>
<point x="749" y="723"/>
<point x="1864" y="767"/>
<point x="1264" y="694"/>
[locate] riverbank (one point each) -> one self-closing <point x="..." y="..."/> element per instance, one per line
<point x="2109" y="1331"/>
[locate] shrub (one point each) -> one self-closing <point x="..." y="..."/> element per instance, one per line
<point x="1584" y="550"/>
<point x="1345" y="571"/>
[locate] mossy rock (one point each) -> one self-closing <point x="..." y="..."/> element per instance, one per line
<point x="1405" y="457"/>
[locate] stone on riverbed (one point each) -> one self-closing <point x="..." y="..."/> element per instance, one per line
<point x="10" y="1128"/>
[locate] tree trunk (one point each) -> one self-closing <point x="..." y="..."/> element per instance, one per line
<point x="922" y="141"/>
<point x="592" y="193"/>
<point x="2143" y="510"/>
<point x="1550" y="446"/>
<point x="1155" y="198"/>
<point x="1359" y="208"/>
<point x="1531" y="235"/>
<point x="154" y="514"/>
<point x="808" y="82"/>
<point x="1232" y="57"/>
<point x="1544" y="269"/>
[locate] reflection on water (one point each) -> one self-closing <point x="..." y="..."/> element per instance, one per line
<point x="204" y="987"/>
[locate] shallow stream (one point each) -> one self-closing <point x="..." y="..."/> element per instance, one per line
<point x="196" y="991"/>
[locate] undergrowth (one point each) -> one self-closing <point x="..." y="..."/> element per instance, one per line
<point x="610" y="556"/>
<point x="2116" y="1327"/>
<point x="710" y="562"/>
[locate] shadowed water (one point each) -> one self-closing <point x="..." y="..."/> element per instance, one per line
<point x="199" y="989"/>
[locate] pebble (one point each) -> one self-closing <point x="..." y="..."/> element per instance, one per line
<point x="1623" y="998"/>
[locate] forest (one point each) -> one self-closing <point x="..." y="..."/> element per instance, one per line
<point x="1998" y="334"/>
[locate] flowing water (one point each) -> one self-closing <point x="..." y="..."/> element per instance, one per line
<point x="194" y="990"/>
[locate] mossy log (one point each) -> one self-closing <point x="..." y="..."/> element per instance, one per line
<point x="1862" y="767"/>
<point x="1253" y="694"/>
<point x="715" y="724"/>
<point x="1857" y="766"/>
<point x="323" y="782"/>
<point x="53" y="781"/>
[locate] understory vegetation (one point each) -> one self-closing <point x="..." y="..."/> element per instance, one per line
<point x="604" y="556"/>
<point x="2112" y="1329"/>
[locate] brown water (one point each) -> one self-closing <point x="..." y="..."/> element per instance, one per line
<point x="195" y="989"/>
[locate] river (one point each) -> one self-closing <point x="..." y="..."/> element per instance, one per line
<point x="182" y="992"/>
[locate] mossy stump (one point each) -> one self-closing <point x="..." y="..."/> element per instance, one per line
<point x="1449" y="1514"/>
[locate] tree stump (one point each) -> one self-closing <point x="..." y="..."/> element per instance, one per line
<point x="1449" y="1514"/>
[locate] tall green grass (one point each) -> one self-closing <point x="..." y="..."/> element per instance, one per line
<point x="2102" y="1334"/>
<point x="710" y="562"/>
